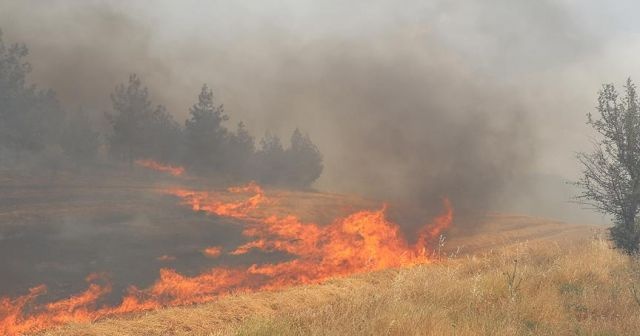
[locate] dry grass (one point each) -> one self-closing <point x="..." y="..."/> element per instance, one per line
<point x="543" y="288"/>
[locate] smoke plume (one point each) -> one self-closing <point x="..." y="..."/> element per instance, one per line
<point x="404" y="102"/>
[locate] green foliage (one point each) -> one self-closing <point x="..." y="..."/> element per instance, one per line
<point x="299" y="165"/>
<point x="271" y="160"/>
<point x="611" y="173"/>
<point x="212" y="149"/>
<point x="205" y="134"/>
<point x="304" y="160"/>
<point x="32" y="121"/>
<point x="140" y="130"/>
<point x="240" y="153"/>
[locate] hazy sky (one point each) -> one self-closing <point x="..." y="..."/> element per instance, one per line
<point x="312" y="64"/>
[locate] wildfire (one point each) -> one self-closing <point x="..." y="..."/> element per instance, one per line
<point x="212" y="252"/>
<point x="166" y="258"/>
<point x="361" y="242"/>
<point x="208" y="202"/>
<point x="150" y="164"/>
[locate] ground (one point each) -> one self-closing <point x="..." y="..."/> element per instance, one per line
<point x="506" y="274"/>
<point x="547" y="287"/>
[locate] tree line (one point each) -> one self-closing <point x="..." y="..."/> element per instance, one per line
<point x="33" y="123"/>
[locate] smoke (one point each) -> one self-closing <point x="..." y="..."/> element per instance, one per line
<point x="409" y="103"/>
<point x="406" y="126"/>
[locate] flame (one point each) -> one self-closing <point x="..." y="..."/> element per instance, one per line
<point x="166" y="258"/>
<point x="153" y="165"/>
<point x="212" y="252"/>
<point x="77" y="308"/>
<point x="361" y="242"/>
<point x="208" y="202"/>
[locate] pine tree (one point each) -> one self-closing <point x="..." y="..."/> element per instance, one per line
<point x="30" y="119"/>
<point x="163" y="136"/>
<point x="304" y="160"/>
<point x="132" y="108"/>
<point x="270" y="160"/>
<point x="240" y="154"/>
<point x="205" y="133"/>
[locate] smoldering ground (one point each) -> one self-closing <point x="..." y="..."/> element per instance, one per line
<point x="57" y="235"/>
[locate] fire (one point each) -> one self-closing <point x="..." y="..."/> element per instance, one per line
<point x="212" y="252"/>
<point x="361" y="242"/>
<point x="166" y="258"/>
<point x="150" y="164"/>
<point x="208" y="202"/>
<point x="78" y="308"/>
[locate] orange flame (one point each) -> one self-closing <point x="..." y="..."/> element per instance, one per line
<point x="207" y="202"/>
<point x="361" y="242"/>
<point x="78" y="308"/>
<point x="166" y="258"/>
<point x="153" y="165"/>
<point x="212" y="252"/>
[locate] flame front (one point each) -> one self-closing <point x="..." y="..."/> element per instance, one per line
<point x="361" y="242"/>
<point x="153" y="165"/>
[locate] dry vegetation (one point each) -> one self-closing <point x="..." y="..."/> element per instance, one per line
<point x="542" y="288"/>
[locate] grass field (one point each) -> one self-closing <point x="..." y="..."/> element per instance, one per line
<point x="497" y="274"/>
<point x="546" y="287"/>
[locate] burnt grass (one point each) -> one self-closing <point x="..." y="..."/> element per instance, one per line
<point x="58" y="233"/>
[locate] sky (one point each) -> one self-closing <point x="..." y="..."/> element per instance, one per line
<point x="527" y="72"/>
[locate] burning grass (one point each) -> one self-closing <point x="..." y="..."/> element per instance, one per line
<point x="362" y="241"/>
<point x="153" y="165"/>
<point x="325" y="237"/>
<point x="544" y="288"/>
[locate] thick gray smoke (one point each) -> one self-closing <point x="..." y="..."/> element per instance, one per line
<point x="408" y="102"/>
<point x="405" y="126"/>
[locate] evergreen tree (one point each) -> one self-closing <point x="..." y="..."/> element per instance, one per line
<point x="270" y="160"/>
<point x="163" y="135"/>
<point x="132" y="108"/>
<point x="240" y="153"/>
<point x="303" y="160"/>
<point x="205" y="134"/>
<point x="30" y="119"/>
